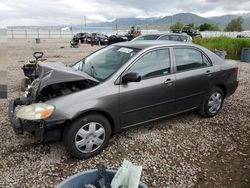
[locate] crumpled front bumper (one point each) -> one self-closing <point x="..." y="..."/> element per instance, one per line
<point x="20" y="126"/>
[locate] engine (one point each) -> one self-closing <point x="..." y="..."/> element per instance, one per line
<point x="60" y="89"/>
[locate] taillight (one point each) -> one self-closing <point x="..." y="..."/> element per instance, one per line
<point x="237" y="69"/>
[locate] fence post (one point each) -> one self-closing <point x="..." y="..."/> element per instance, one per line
<point x="26" y="35"/>
<point x="38" y="35"/>
<point x="12" y="34"/>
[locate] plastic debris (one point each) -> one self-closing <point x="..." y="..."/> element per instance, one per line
<point x="128" y="176"/>
<point x="89" y="186"/>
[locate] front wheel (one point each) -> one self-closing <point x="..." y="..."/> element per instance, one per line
<point x="212" y="103"/>
<point x="87" y="136"/>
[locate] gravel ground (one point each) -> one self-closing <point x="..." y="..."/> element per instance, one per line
<point x="183" y="151"/>
<point x="3" y="66"/>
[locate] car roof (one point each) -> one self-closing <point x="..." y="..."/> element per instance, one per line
<point x="161" y="34"/>
<point x="155" y="34"/>
<point x="143" y="44"/>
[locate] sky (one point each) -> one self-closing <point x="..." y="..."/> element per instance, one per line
<point x="63" y="12"/>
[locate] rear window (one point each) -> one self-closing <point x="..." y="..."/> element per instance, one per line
<point x="147" y="37"/>
<point x="174" y="38"/>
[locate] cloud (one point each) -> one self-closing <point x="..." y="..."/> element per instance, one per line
<point x="58" y="12"/>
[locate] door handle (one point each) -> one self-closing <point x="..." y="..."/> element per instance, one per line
<point x="169" y="82"/>
<point x="208" y="73"/>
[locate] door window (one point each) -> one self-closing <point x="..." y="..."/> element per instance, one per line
<point x="165" y="37"/>
<point x="152" y="64"/>
<point x="188" y="58"/>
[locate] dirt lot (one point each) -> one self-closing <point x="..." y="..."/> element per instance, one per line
<point x="183" y="151"/>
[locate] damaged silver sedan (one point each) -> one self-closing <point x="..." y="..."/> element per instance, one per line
<point x="120" y="86"/>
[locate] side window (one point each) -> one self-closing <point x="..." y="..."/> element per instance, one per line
<point x="174" y="38"/>
<point x="150" y="37"/>
<point x="152" y="64"/>
<point x="166" y="37"/>
<point x="188" y="58"/>
<point x="206" y="61"/>
<point x="183" y="39"/>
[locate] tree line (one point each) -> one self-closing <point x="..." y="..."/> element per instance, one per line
<point x="233" y="25"/>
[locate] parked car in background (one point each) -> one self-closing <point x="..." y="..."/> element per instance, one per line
<point x="121" y="86"/>
<point x="80" y="37"/>
<point x="117" y="38"/>
<point x="190" y="31"/>
<point x="243" y="35"/>
<point x="99" y="38"/>
<point x="166" y="36"/>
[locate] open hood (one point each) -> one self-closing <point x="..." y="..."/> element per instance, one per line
<point x="55" y="72"/>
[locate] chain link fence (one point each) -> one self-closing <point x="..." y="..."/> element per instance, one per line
<point x="54" y="34"/>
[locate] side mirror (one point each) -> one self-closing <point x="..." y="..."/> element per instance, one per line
<point x="131" y="77"/>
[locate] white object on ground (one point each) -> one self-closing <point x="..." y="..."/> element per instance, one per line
<point x="127" y="176"/>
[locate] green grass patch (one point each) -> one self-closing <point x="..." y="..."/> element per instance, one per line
<point x="232" y="46"/>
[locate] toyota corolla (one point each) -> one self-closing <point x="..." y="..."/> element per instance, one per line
<point x="121" y="86"/>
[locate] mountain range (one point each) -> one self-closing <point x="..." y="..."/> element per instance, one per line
<point x="163" y="23"/>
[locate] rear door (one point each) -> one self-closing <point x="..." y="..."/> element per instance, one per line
<point x="153" y="96"/>
<point x="194" y="72"/>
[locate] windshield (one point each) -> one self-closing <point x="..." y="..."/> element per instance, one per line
<point x="106" y="61"/>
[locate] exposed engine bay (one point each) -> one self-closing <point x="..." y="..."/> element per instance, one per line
<point x="60" y="89"/>
<point x="55" y="80"/>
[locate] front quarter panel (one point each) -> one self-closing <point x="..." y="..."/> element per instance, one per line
<point x="103" y="97"/>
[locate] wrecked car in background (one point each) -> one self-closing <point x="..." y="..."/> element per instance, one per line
<point x="120" y="86"/>
<point x="99" y="38"/>
<point x="81" y="37"/>
<point x="117" y="38"/>
<point x="191" y="31"/>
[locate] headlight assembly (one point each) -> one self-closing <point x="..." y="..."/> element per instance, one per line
<point x="35" y="111"/>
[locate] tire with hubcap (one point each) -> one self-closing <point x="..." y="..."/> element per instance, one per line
<point x="87" y="136"/>
<point x="212" y="103"/>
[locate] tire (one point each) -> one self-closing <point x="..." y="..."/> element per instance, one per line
<point x="83" y="131"/>
<point x="208" y="108"/>
<point x="24" y="83"/>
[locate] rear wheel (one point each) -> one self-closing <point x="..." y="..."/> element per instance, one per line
<point x="87" y="136"/>
<point x="212" y="103"/>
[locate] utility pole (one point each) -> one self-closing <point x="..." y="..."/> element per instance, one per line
<point x="85" y="21"/>
<point x="171" y="22"/>
<point x="116" y="26"/>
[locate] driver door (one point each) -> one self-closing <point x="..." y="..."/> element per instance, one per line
<point x="154" y="96"/>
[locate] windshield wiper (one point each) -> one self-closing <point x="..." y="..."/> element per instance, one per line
<point x="93" y="72"/>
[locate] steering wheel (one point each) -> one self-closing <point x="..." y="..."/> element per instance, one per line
<point x="38" y="55"/>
